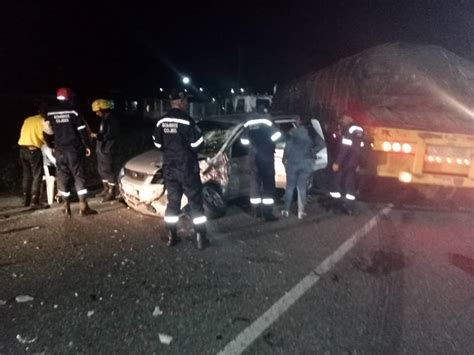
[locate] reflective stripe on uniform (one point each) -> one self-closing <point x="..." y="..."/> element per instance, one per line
<point x="335" y="194"/>
<point x="64" y="194"/>
<point x="158" y="145"/>
<point x="244" y="141"/>
<point x="200" y="220"/>
<point x="197" y="143"/>
<point x="258" y="121"/>
<point x="81" y="127"/>
<point x="346" y="141"/>
<point x="171" y="219"/>
<point x="352" y="129"/>
<point x="63" y="113"/>
<point x="350" y="197"/>
<point x="267" y="201"/>
<point x="82" y="192"/>
<point x="275" y="136"/>
<point x="172" y="120"/>
<point x="255" y="201"/>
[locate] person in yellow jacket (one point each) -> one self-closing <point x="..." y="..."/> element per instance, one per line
<point x="30" y="142"/>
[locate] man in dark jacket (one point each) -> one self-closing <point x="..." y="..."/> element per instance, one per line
<point x="71" y="145"/>
<point x="346" y="164"/>
<point x="178" y="136"/>
<point x="106" y="147"/>
<point x="261" y="135"/>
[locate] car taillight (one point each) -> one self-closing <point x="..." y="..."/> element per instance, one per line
<point x="397" y="147"/>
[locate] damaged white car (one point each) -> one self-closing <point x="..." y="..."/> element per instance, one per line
<point x="223" y="161"/>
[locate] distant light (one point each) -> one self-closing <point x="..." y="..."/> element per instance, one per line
<point x="61" y="98"/>
<point x="186" y="80"/>
<point x="334" y="135"/>
<point x="242" y="90"/>
<point x="406" y="148"/>
<point x="201" y="89"/>
<point x="405" y="177"/>
<point x="396" y="147"/>
<point x="185" y="90"/>
<point x="161" y="89"/>
<point x="213" y="99"/>
<point x="386" y="146"/>
<point x="232" y="91"/>
<point x="147" y="108"/>
<point x="223" y="108"/>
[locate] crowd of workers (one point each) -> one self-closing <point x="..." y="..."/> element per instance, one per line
<point x="64" y="130"/>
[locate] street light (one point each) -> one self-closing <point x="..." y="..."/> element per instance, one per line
<point x="186" y="80"/>
<point x="201" y="89"/>
<point x="242" y="90"/>
<point x="232" y="91"/>
<point x="161" y="89"/>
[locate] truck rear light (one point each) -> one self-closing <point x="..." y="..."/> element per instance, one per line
<point x="406" y="148"/>
<point x="396" y="147"/>
<point x="439" y="160"/>
<point x="449" y="160"/>
<point x="467" y="162"/>
<point x="430" y="158"/>
<point x="459" y="161"/>
<point x="405" y="177"/>
<point x="387" y="146"/>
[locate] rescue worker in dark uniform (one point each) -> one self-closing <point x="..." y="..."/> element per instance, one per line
<point x="106" y="147"/>
<point x="71" y="145"/>
<point x="32" y="138"/>
<point x="178" y="136"/>
<point x="261" y="135"/>
<point x="350" y="149"/>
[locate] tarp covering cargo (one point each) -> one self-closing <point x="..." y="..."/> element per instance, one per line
<point x="392" y="85"/>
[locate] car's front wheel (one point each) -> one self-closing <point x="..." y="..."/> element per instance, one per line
<point x="214" y="204"/>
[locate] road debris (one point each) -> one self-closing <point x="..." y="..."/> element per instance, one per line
<point x="24" y="298"/>
<point x="25" y="340"/>
<point x="165" y="339"/>
<point x="90" y="313"/>
<point x="157" y="312"/>
<point x="3" y="302"/>
<point x="35" y="228"/>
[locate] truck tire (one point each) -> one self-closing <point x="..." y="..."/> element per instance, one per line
<point x="214" y="204"/>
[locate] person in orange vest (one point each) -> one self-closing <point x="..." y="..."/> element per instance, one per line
<point x="31" y="158"/>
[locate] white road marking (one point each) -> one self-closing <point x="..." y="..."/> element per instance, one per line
<point x="253" y="331"/>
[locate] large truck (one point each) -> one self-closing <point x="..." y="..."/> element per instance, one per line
<point x="414" y="102"/>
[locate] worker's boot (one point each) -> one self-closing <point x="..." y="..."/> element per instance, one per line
<point x="172" y="238"/>
<point x="267" y="212"/>
<point x="256" y="211"/>
<point x="26" y="199"/>
<point x="201" y="240"/>
<point x="66" y="206"/>
<point x="110" y="196"/>
<point x="104" y="191"/>
<point x="35" y="204"/>
<point x="84" y="209"/>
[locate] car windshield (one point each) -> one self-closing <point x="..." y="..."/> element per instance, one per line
<point x="215" y="134"/>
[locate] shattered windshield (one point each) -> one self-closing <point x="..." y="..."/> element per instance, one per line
<point x="215" y="135"/>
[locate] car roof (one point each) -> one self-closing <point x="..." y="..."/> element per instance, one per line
<point x="243" y="117"/>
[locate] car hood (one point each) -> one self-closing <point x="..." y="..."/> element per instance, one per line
<point x="152" y="160"/>
<point x="148" y="162"/>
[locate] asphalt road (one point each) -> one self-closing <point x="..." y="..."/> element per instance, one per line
<point x="387" y="280"/>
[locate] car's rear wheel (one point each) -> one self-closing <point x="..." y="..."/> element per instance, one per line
<point x="214" y="204"/>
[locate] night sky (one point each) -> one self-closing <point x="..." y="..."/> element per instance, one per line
<point x="138" y="47"/>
